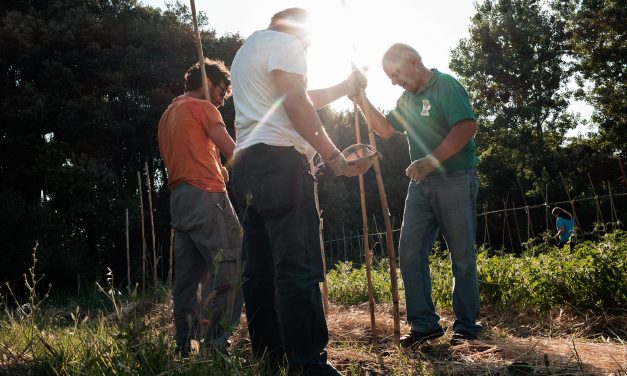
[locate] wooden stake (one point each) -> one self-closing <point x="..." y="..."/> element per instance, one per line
<point x="504" y="220"/>
<point x="141" y="211"/>
<point x="509" y="232"/>
<point x="600" y="218"/>
<point x="201" y="58"/>
<point x="486" y="233"/>
<point x="572" y="203"/>
<point x="529" y="224"/>
<point x="128" y="258"/>
<point x="388" y="229"/>
<point x="367" y="250"/>
<point x="613" y="214"/>
<point x="546" y="207"/>
<point x="152" y="225"/>
<point x="172" y="232"/>
<point x="517" y="229"/>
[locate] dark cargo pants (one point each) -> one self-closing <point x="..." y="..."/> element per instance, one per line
<point x="207" y="260"/>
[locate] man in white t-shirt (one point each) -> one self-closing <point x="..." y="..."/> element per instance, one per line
<point x="278" y="132"/>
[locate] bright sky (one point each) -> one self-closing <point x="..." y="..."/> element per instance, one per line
<point x="361" y="31"/>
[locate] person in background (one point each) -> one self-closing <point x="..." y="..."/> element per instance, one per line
<point x="207" y="244"/>
<point x="435" y="114"/>
<point x="278" y="132"/>
<point x="565" y="224"/>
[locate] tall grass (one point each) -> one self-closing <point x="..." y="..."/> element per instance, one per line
<point x="121" y="336"/>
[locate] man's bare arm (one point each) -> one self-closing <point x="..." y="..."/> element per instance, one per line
<point x="374" y="117"/>
<point x="457" y="137"/>
<point x="223" y="140"/>
<point x="301" y="112"/>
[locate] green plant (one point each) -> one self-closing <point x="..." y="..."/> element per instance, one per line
<point x="348" y="284"/>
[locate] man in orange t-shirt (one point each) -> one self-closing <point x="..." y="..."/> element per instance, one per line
<point x="207" y="243"/>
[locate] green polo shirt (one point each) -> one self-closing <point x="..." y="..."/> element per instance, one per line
<point x="426" y="117"/>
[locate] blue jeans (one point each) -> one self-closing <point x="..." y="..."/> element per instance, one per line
<point x="281" y="252"/>
<point x="446" y="202"/>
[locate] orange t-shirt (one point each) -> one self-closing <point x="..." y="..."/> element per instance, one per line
<point x="189" y="154"/>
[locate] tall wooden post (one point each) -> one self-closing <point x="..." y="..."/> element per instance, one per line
<point x="486" y="233"/>
<point x="546" y="207"/>
<point x="529" y="223"/>
<point x="572" y="203"/>
<point x="388" y="229"/>
<point x="141" y="211"/>
<point x="172" y="233"/>
<point x="367" y="250"/>
<point x="128" y="257"/>
<point x="152" y="225"/>
<point x="201" y="58"/>
<point x="597" y="203"/>
<point x="613" y="214"/>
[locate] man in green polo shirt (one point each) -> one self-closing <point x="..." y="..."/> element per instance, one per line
<point x="436" y="116"/>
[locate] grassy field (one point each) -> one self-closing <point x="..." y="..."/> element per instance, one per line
<point x="546" y="312"/>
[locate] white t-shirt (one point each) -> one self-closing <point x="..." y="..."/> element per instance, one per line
<point x="259" y="113"/>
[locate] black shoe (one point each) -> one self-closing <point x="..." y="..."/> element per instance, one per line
<point x="315" y="370"/>
<point x="415" y="338"/>
<point x="461" y="337"/>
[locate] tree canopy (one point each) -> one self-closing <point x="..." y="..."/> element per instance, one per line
<point x="83" y="86"/>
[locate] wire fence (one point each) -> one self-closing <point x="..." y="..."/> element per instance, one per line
<point x="506" y="224"/>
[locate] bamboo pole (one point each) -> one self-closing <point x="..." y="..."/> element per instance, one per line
<point x="503" y="227"/>
<point x="613" y="214"/>
<point x="367" y="251"/>
<point x="572" y="203"/>
<point x="141" y="210"/>
<point x="325" y="286"/>
<point x="486" y="233"/>
<point x="171" y="257"/>
<point x="152" y="225"/>
<point x="546" y="207"/>
<point x="388" y="230"/>
<point x="509" y="231"/>
<point x="529" y="224"/>
<point x="517" y="228"/>
<point x="596" y="201"/>
<point x="201" y="58"/>
<point x="128" y="257"/>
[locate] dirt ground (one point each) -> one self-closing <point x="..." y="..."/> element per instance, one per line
<point x="558" y="343"/>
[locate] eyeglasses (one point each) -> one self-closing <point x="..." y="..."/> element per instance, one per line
<point x="223" y="90"/>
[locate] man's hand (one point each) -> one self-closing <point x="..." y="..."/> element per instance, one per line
<point x="356" y="82"/>
<point x="336" y="164"/>
<point x="225" y="174"/>
<point x="422" y="167"/>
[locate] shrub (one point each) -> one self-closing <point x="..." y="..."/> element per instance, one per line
<point x="348" y="284"/>
<point x="593" y="276"/>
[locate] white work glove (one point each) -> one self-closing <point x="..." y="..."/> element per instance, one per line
<point x="225" y="174"/>
<point x="422" y="167"/>
<point x="337" y="164"/>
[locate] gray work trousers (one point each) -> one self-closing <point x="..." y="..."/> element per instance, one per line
<point x="207" y="257"/>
